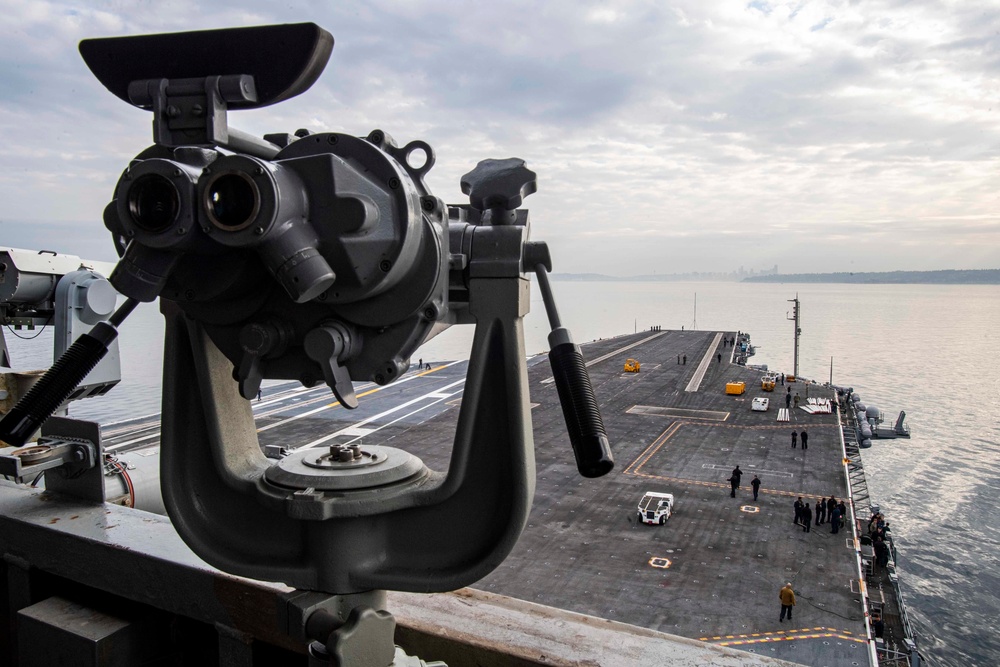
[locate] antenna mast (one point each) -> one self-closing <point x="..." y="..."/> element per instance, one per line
<point x="798" y="331"/>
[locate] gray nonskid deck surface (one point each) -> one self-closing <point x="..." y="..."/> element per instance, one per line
<point x="584" y="549"/>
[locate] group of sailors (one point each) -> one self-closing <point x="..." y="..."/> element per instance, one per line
<point x="836" y="510"/>
<point x="877" y="528"/>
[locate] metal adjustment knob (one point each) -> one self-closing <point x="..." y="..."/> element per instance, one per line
<point x="328" y="345"/>
<point x="499" y="186"/>
<point x="259" y="340"/>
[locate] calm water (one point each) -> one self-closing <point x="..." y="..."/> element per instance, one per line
<point x="933" y="351"/>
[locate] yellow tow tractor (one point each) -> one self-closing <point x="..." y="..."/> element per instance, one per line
<point x="631" y="366"/>
<point x="736" y="388"/>
<point x="768" y="381"/>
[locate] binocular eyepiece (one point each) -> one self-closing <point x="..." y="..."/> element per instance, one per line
<point x="231" y="201"/>
<point x="236" y="201"/>
<point x="228" y="197"/>
<point x="153" y="203"/>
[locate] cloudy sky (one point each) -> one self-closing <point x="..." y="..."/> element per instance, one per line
<point x="668" y="137"/>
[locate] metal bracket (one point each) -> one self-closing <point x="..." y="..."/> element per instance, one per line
<point x="67" y="452"/>
<point x="192" y="112"/>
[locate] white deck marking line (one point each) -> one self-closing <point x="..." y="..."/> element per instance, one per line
<point x="335" y="404"/>
<point x="122" y="422"/>
<point x="131" y="431"/>
<point x="322" y="396"/>
<point x="276" y="398"/>
<point x="699" y="374"/>
<point x="613" y="353"/>
<point x="401" y="418"/>
<point x="357" y="431"/>
<point x="119" y="445"/>
<point x="256" y="405"/>
<point x="283" y="396"/>
<point x="390" y="411"/>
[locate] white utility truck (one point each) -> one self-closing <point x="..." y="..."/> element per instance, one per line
<point x="656" y="508"/>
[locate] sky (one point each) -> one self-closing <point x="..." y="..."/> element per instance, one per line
<point x="668" y="137"/>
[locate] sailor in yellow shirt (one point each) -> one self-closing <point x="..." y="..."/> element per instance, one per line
<point x="787" y="596"/>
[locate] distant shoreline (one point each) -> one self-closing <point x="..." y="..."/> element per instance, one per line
<point x="945" y="277"/>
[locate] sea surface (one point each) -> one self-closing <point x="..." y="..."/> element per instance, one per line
<point x="931" y="350"/>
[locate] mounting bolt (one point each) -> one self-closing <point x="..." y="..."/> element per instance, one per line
<point x="385" y="265"/>
<point x="393" y="182"/>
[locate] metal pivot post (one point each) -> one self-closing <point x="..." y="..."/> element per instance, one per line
<point x="331" y="531"/>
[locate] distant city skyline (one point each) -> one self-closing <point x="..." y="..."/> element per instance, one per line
<point x="689" y="137"/>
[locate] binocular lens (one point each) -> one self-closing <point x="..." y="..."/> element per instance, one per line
<point x="232" y="201"/>
<point x="153" y="202"/>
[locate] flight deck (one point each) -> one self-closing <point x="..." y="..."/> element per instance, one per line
<point x="713" y="570"/>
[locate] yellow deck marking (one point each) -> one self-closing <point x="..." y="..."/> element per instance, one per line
<point x="655" y="446"/>
<point x="783" y="636"/>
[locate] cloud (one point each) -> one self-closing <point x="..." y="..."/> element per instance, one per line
<point x="702" y="131"/>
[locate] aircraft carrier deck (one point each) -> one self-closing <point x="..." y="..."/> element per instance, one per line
<point x="713" y="571"/>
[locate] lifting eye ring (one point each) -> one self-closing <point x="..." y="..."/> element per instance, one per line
<point x="411" y="157"/>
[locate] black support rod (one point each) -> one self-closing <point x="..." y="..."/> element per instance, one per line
<point x="53" y="388"/>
